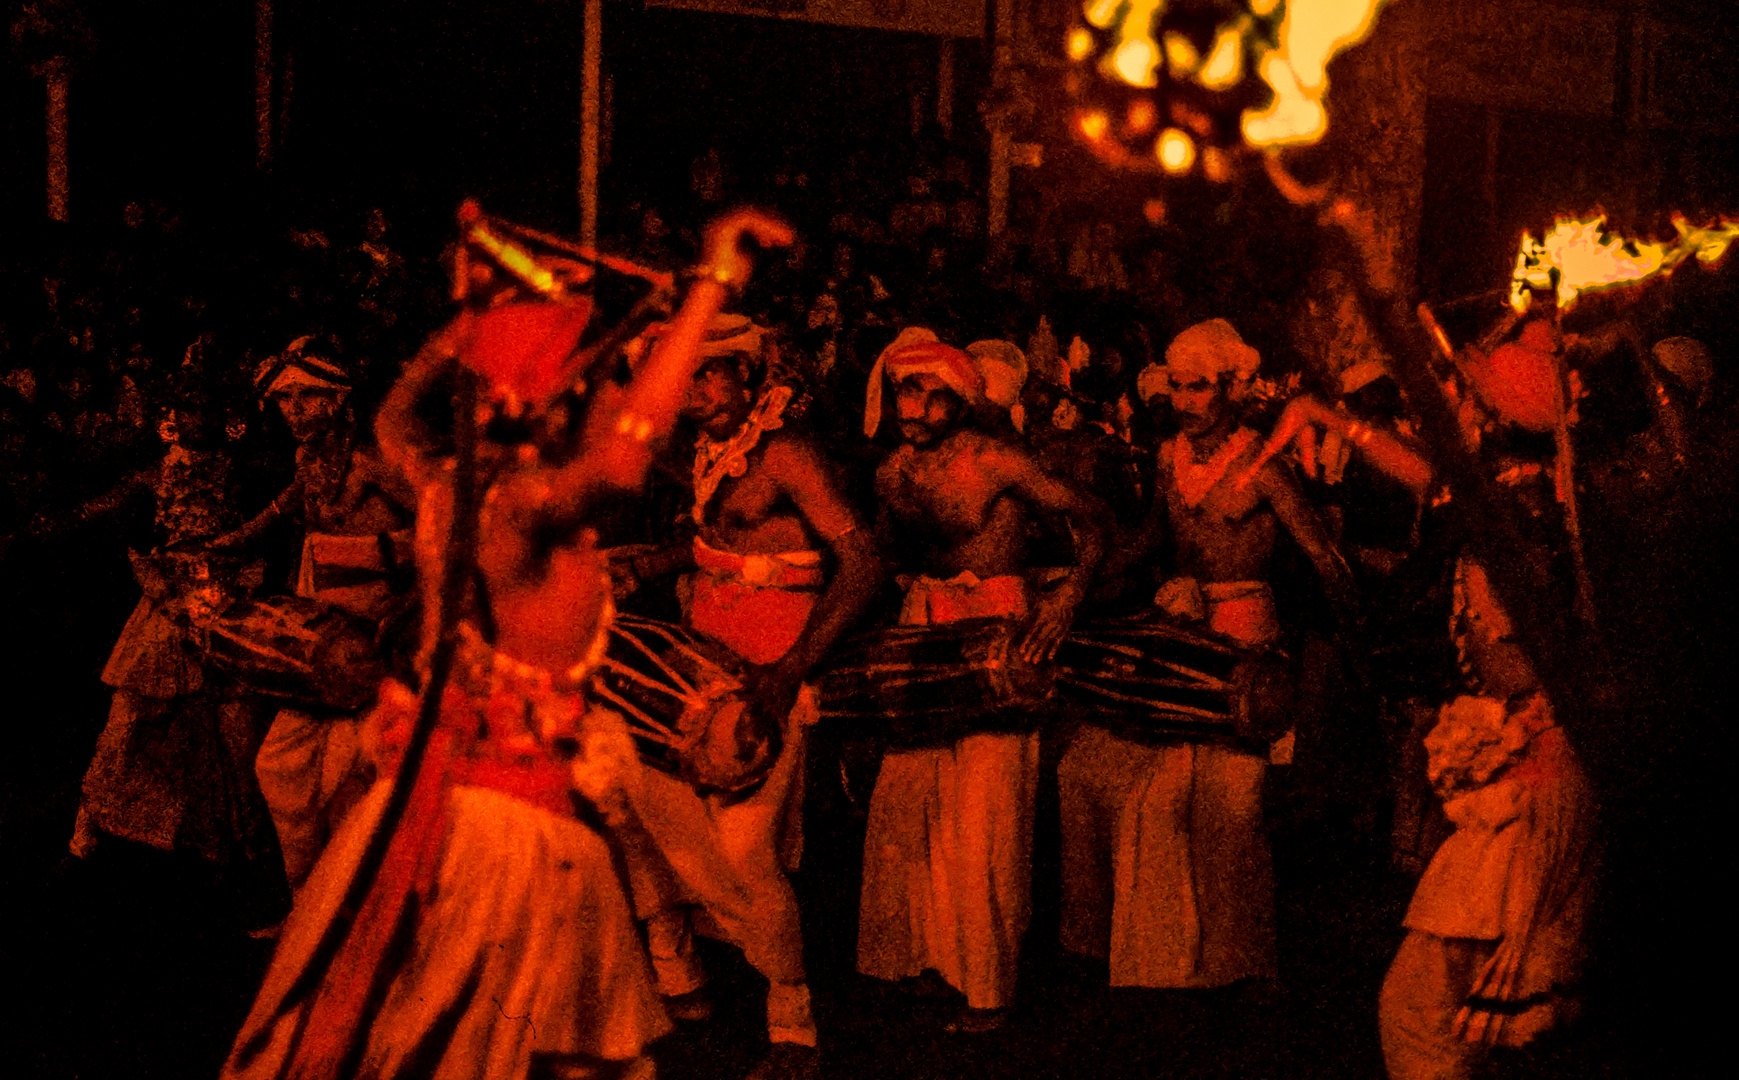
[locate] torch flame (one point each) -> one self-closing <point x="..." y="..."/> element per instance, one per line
<point x="1312" y="32"/>
<point x="1294" y="65"/>
<point x="1580" y="256"/>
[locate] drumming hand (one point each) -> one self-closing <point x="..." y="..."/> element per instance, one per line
<point x="623" y="581"/>
<point x="1050" y="620"/>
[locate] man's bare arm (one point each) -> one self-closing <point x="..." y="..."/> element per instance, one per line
<point x="398" y="432"/>
<point x="1087" y="517"/>
<point x="1283" y="494"/>
<point x="288" y="502"/>
<point x="803" y="476"/>
<point x="1126" y="548"/>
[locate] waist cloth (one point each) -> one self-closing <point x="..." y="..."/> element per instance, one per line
<point x="1167" y="871"/>
<point x="520" y="940"/>
<point x="947" y="859"/>
<point x="756" y="604"/>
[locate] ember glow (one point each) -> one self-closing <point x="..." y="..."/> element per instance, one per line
<point x="1161" y="44"/>
<point x="1579" y="256"/>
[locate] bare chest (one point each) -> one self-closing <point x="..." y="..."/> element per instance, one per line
<point x="942" y="488"/>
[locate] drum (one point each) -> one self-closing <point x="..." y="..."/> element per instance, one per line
<point x="312" y="654"/>
<point x="1151" y="679"/>
<point x="680" y="692"/>
<point x="932" y="684"/>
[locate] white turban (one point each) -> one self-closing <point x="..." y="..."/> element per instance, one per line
<point x="298" y="365"/>
<point x="917" y="351"/>
<point x="1004" y="370"/>
<point x="1209" y="350"/>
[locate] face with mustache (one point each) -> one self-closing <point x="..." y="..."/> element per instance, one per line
<point x="1198" y="404"/>
<point x="718" y="398"/>
<point x="927" y="408"/>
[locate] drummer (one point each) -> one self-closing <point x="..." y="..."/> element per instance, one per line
<point x="356" y="554"/>
<point x="778" y="570"/>
<point x="948" y="853"/>
<point x="1165" y="866"/>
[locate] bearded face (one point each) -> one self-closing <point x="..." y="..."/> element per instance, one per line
<point x="1198" y="404"/>
<point x="718" y="398"/>
<point x="308" y="410"/>
<point x="927" y="409"/>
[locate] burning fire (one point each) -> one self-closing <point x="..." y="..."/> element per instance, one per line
<point x="1287" y="43"/>
<point x="1297" y="71"/>
<point x="1580" y="256"/>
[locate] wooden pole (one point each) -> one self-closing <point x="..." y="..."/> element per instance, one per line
<point x="263" y="84"/>
<point x="591" y="64"/>
<point x="945" y="87"/>
<point x="996" y="219"/>
<point x="58" y="80"/>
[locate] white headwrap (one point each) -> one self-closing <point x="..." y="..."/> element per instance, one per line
<point x="296" y="366"/>
<point x="1152" y="383"/>
<point x="1209" y="350"/>
<point x="917" y="351"/>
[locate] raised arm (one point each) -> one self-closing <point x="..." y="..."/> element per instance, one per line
<point x="401" y="436"/>
<point x="622" y="439"/>
<point x="1383" y="450"/>
<point x="287" y="504"/>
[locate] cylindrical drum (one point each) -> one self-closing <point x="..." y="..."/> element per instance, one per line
<point x="932" y="684"/>
<point x="311" y="653"/>
<point x="1152" y="679"/>
<point x="680" y="692"/>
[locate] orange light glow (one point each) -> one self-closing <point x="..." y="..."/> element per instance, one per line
<point x="1225" y="64"/>
<point x="1295" y="65"/>
<point x="1176" y="150"/>
<point x="1141" y="118"/>
<point x="1580" y="256"/>
<point x="1093" y="125"/>
<point x="1216" y="164"/>
<point x="1134" y="62"/>
<point x="1311" y="33"/>
<point x="1079" y="45"/>
<point x="1181" y="55"/>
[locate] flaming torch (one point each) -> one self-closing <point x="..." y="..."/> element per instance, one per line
<point x="1190" y="87"/>
<point x="1167" y="85"/>
<point x="1583" y="256"/>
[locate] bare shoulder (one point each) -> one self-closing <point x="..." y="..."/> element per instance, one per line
<point x="791" y="452"/>
<point x="998" y="456"/>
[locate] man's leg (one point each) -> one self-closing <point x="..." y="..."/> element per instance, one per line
<point x="988" y="840"/>
<point x="1097" y="777"/>
<point x="749" y="833"/>
<point x="307" y="773"/>
<point x="1155" y="920"/>
<point x="1233" y="868"/>
<point x="1421" y="994"/>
